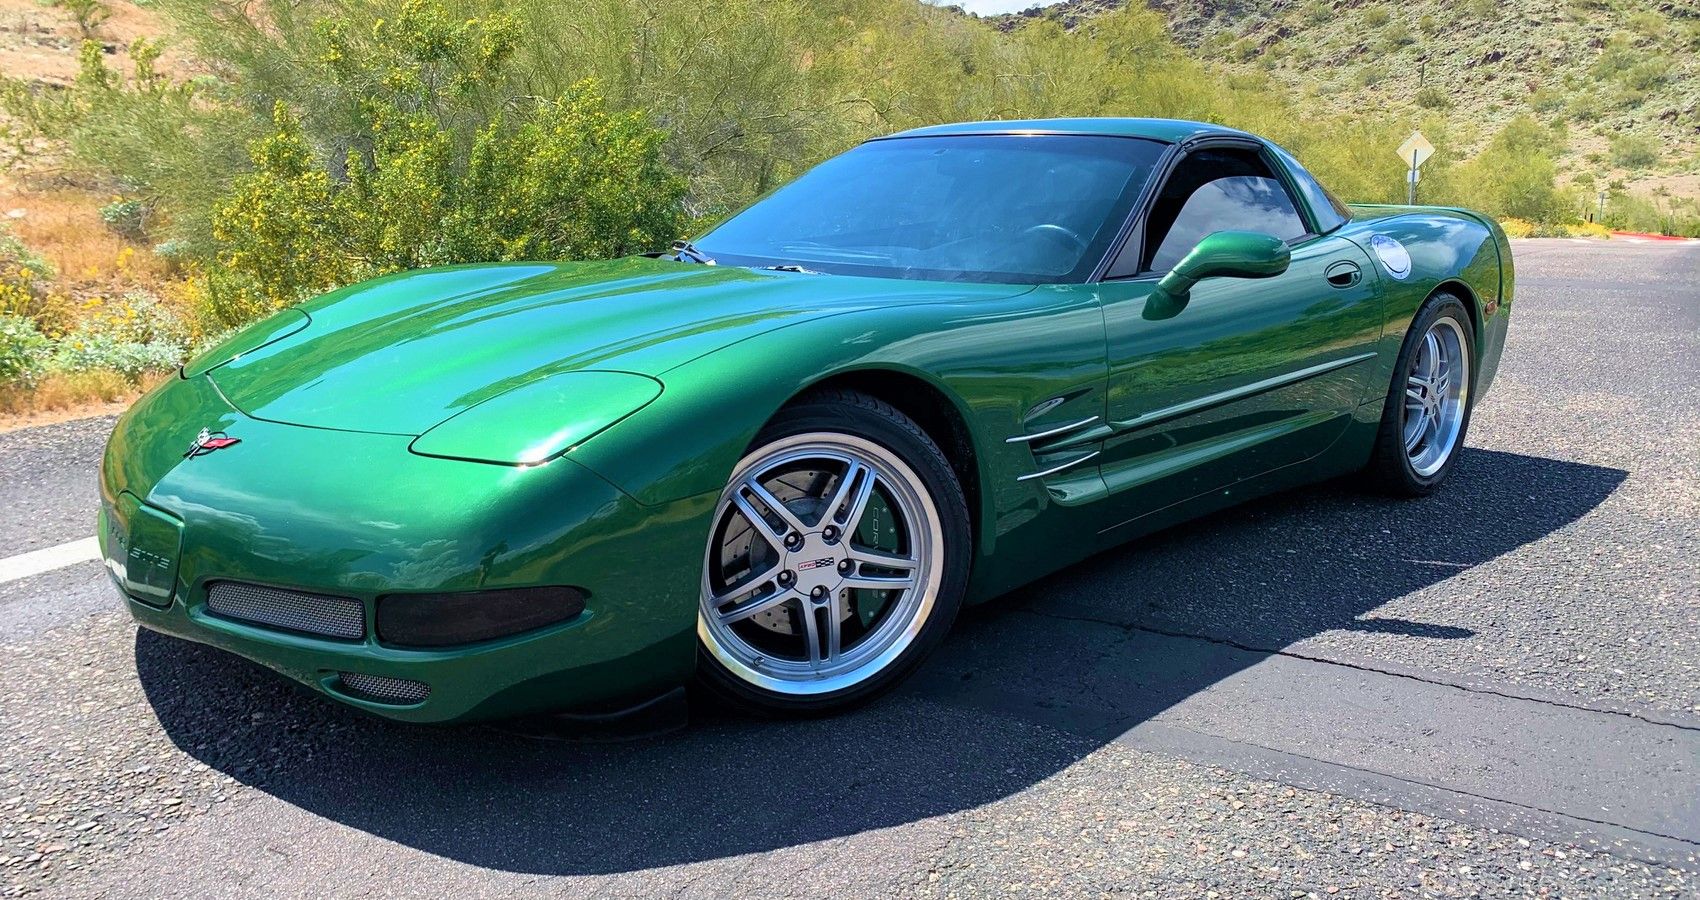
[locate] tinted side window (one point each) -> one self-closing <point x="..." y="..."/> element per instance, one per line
<point x="1217" y="190"/>
<point x="1330" y="213"/>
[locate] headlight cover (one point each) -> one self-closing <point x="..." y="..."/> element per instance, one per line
<point x="266" y="331"/>
<point x="536" y="422"/>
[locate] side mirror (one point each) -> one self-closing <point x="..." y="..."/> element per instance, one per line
<point x="1224" y="254"/>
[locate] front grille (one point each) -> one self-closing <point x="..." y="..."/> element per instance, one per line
<point x="316" y="614"/>
<point x="383" y="688"/>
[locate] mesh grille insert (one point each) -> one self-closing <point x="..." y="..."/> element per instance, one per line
<point x="383" y="688"/>
<point x="317" y="614"/>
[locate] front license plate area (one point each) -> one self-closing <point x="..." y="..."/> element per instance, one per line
<point x="143" y="545"/>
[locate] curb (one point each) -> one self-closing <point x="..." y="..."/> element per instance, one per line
<point x="1648" y="236"/>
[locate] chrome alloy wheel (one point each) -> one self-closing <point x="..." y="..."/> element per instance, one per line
<point x="1437" y="389"/>
<point x="823" y="564"/>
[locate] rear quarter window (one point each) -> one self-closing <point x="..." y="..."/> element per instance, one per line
<point x="1330" y="213"/>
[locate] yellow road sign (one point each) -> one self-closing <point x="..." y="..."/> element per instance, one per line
<point x="1416" y="150"/>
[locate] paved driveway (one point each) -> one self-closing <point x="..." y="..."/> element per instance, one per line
<point x="1493" y="690"/>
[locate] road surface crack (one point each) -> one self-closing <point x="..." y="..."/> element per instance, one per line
<point x="1362" y="667"/>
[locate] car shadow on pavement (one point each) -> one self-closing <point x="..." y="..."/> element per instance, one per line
<point x="1013" y="698"/>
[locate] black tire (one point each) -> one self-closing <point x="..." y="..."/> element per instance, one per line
<point x="1390" y="469"/>
<point x="861" y="416"/>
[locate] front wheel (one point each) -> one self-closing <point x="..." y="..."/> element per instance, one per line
<point x="1429" y="403"/>
<point x="837" y="559"/>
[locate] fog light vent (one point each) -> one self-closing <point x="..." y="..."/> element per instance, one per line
<point x="383" y="689"/>
<point x="445" y="620"/>
<point x="318" y="614"/>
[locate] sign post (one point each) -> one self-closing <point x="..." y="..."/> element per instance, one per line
<point x="1415" y="151"/>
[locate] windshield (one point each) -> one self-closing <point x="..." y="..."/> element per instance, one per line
<point x="1026" y="209"/>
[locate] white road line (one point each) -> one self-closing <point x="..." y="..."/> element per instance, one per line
<point x="47" y="559"/>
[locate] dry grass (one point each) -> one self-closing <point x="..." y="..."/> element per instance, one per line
<point x="63" y="225"/>
<point x="61" y="397"/>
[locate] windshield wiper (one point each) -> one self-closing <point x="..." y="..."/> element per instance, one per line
<point x="789" y="267"/>
<point x="690" y="251"/>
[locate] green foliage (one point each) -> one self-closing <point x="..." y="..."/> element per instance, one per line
<point x="88" y="14"/>
<point x="1433" y="98"/>
<point x="1651" y="72"/>
<point x="1396" y="35"/>
<point x="1657" y="215"/>
<point x="1547" y="100"/>
<point x="331" y="140"/>
<point x="1633" y="151"/>
<point x="171" y="146"/>
<point x="23" y="351"/>
<point x="126" y="217"/>
<point x="84" y="351"/>
<point x="1514" y="175"/>
<point x="23" y="275"/>
<point x="1587" y="107"/>
<point x="430" y="174"/>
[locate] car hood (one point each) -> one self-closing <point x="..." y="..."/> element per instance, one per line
<point x="402" y="353"/>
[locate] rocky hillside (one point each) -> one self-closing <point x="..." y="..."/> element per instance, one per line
<point x="1602" y="69"/>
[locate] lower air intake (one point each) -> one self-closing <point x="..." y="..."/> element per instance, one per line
<point x="316" y="614"/>
<point x="383" y="689"/>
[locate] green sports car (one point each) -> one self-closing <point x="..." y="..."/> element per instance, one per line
<point x="777" y="460"/>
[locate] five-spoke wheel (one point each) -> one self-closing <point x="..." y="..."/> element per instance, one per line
<point x="1428" y="409"/>
<point x="1437" y="388"/>
<point x="829" y="558"/>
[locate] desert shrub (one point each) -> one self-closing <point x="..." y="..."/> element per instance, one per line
<point x="23" y="277"/>
<point x="126" y="218"/>
<point x="1618" y="55"/>
<point x="1517" y="228"/>
<point x="23" y="351"/>
<point x="174" y="146"/>
<point x="1648" y="24"/>
<point x="572" y="182"/>
<point x="1377" y="16"/>
<point x="1633" y="151"/>
<point x="1514" y="175"/>
<point x="90" y="349"/>
<point x="1648" y="74"/>
<point x="1587" y="107"/>
<point x="1433" y="98"/>
<point x="1371" y="75"/>
<point x="1636" y="212"/>
<point x="1546" y="100"/>
<point x="1397" y="34"/>
<point x="137" y="317"/>
<point x="88" y="14"/>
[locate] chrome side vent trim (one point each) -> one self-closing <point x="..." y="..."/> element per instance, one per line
<point x="1055" y="469"/>
<point x="1051" y="432"/>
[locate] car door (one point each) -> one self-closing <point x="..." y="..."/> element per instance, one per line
<point x="1250" y="374"/>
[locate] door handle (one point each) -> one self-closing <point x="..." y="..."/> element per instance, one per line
<point x="1344" y="273"/>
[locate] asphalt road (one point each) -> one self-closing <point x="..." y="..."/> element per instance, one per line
<point x="1492" y="691"/>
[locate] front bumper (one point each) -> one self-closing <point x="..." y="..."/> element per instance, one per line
<point x="356" y="515"/>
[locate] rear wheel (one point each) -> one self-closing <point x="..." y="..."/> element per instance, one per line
<point x="1429" y="403"/>
<point x="836" y="562"/>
